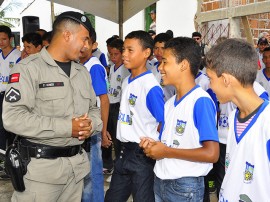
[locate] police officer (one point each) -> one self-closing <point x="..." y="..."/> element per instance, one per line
<point x="50" y="103"/>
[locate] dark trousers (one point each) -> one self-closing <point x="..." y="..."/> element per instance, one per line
<point x="133" y="174"/>
<point x="111" y="128"/>
<point x="217" y="173"/>
<point x="219" y="167"/>
<point x="6" y="138"/>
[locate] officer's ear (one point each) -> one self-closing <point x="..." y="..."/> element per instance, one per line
<point x="67" y="34"/>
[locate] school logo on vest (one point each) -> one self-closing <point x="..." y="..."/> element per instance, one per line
<point x="118" y="78"/>
<point x="223" y="121"/>
<point x="244" y="198"/>
<point x="227" y="161"/>
<point x="175" y="144"/>
<point x="248" y="174"/>
<point x="180" y="127"/>
<point x="132" y="99"/>
<point x="125" y="118"/>
<point x="11" y="64"/>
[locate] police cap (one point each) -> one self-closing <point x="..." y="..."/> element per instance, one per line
<point x="78" y="17"/>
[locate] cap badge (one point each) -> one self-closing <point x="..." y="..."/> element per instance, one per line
<point x="83" y="19"/>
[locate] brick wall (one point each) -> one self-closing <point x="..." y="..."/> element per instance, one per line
<point x="258" y="23"/>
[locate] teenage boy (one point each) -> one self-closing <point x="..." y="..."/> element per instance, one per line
<point x="32" y="43"/>
<point x="94" y="182"/>
<point x="141" y="113"/>
<point x="117" y="74"/>
<point x="263" y="76"/>
<point x="189" y="142"/>
<point x="223" y="128"/>
<point x="247" y="153"/>
<point x="159" y="44"/>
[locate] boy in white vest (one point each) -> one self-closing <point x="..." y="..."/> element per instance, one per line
<point x="248" y="143"/>
<point x="188" y="145"/>
<point x="141" y="114"/>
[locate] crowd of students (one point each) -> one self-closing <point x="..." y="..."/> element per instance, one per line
<point x="174" y="110"/>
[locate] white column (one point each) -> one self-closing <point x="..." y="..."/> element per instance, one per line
<point x="235" y="27"/>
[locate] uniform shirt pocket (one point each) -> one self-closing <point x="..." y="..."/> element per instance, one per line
<point x="85" y="101"/>
<point x="51" y="101"/>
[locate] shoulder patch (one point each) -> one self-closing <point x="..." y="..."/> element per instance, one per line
<point x="14" y="78"/>
<point x="13" y="95"/>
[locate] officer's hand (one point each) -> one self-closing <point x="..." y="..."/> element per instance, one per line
<point x="81" y="127"/>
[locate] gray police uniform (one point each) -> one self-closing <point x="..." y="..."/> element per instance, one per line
<point x="39" y="104"/>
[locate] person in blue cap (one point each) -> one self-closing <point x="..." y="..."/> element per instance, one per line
<point x="51" y="105"/>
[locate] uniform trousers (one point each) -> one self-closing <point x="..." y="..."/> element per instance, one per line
<point x="46" y="192"/>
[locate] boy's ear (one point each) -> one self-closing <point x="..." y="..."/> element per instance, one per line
<point x="147" y="53"/>
<point x="227" y="79"/>
<point x="184" y="65"/>
<point x="95" y="45"/>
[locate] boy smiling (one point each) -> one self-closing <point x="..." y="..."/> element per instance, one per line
<point x="189" y="143"/>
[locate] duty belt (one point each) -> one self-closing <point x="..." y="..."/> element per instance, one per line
<point x="45" y="151"/>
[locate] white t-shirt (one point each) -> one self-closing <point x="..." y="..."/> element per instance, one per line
<point x="263" y="80"/>
<point x="227" y="108"/>
<point x="116" y="78"/>
<point x="6" y="63"/>
<point x="188" y="122"/>
<point x="141" y="108"/>
<point x="248" y="159"/>
<point x="98" y="75"/>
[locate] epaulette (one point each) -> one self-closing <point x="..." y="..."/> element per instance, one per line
<point x="29" y="59"/>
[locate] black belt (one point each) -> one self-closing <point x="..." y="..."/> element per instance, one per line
<point x="130" y="145"/>
<point x="50" y="152"/>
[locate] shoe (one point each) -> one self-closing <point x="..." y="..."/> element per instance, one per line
<point x="109" y="179"/>
<point x="107" y="171"/>
<point x="4" y="176"/>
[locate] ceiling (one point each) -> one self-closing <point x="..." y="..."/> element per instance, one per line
<point x="117" y="11"/>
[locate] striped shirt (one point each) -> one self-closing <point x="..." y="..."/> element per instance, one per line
<point x="240" y="127"/>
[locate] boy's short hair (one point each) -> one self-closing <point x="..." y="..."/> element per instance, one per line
<point x="170" y="33"/>
<point x="145" y="39"/>
<point x="33" y="38"/>
<point x="196" y="34"/>
<point x="185" y="48"/>
<point x="162" y="37"/>
<point x="109" y="40"/>
<point x="47" y="36"/>
<point x="236" y="57"/>
<point x="118" y="44"/>
<point x="6" y="30"/>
